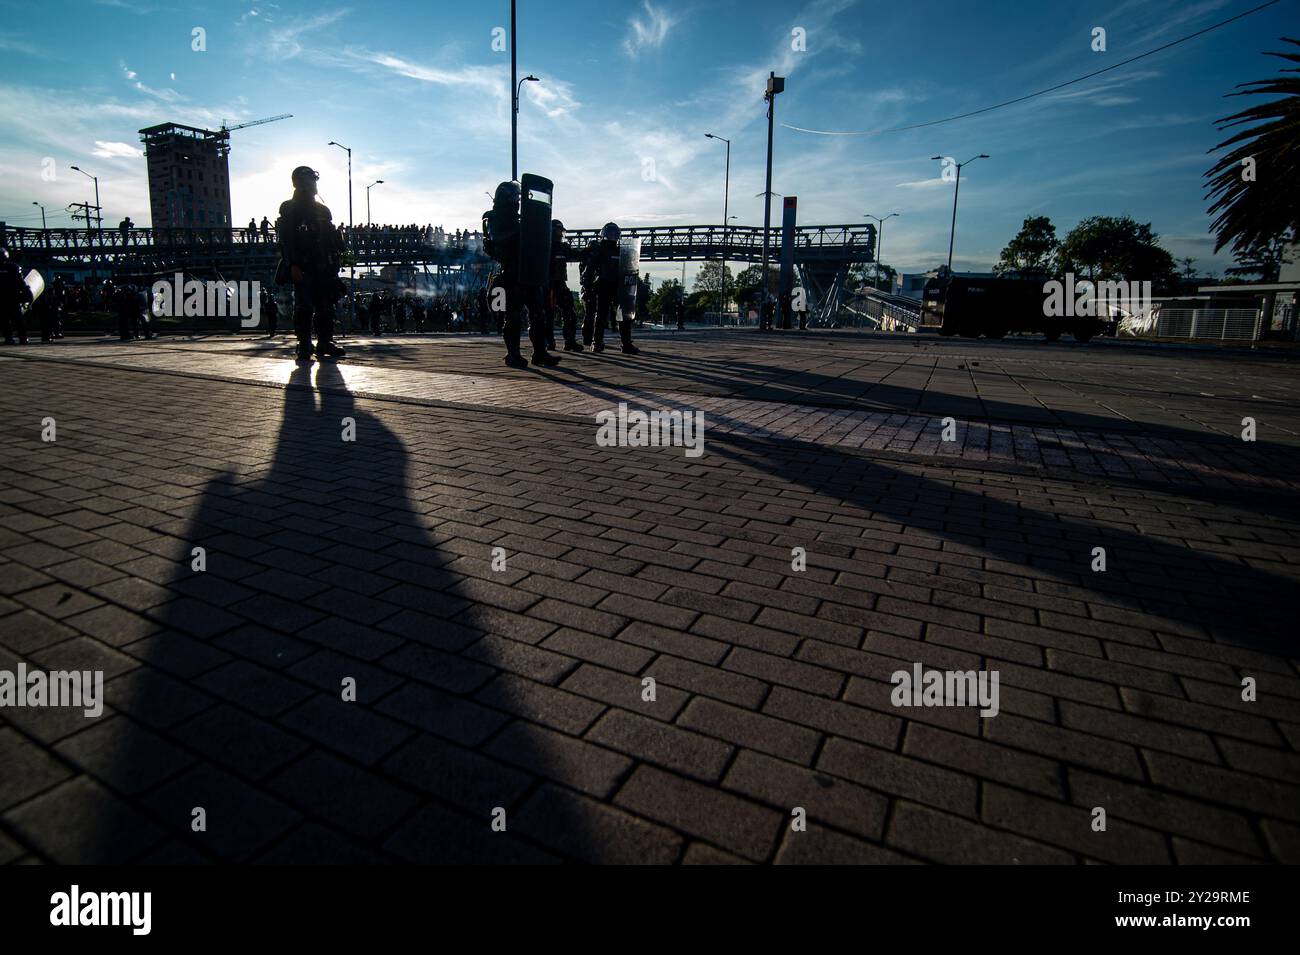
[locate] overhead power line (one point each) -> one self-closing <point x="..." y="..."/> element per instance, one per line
<point x="1050" y="89"/>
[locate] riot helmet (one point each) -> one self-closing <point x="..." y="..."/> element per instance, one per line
<point x="304" y="178"/>
<point x="611" y="232"/>
<point x="508" y="193"/>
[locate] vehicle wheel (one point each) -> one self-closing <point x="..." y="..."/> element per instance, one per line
<point x="1052" y="336"/>
<point x="1083" y="337"/>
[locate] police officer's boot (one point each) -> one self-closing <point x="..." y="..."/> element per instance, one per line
<point x="327" y="349"/>
<point x="541" y="356"/>
<point x="513" y="358"/>
<point x="625" y="333"/>
<point x="571" y="344"/>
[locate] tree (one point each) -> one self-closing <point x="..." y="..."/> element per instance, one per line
<point x="747" y="285"/>
<point x="665" y="298"/>
<point x="711" y="279"/>
<point x="1262" y="261"/>
<point x="863" y="275"/>
<point x="1189" y="267"/>
<point x="1253" y="186"/>
<point x="1116" y="248"/>
<point x="1032" y="252"/>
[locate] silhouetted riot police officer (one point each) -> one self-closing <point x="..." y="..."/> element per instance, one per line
<point x="14" y="297"/>
<point x="588" y="272"/>
<point x="609" y="276"/>
<point x="501" y="240"/>
<point x="271" y="309"/>
<point x="310" y="252"/>
<point x="560" y="295"/>
<point x="49" y="310"/>
<point x="130" y="302"/>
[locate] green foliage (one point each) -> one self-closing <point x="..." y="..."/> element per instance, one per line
<point x="1032" y="253"/>
<point x="1253" y="210"/>
<point x="1117" y="248"/>
<point x="665" y="297"/>
<point x="711" y="278"/>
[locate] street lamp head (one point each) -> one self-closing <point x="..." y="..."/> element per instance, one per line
<point x="936" y="157"/>
<point x="531" y="79"/>
<point x="984" y="156"/>
<point x="379" y="182"/>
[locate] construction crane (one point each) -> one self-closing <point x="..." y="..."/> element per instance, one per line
<point x="255" y="122"/>
<point x="222" y="136"/>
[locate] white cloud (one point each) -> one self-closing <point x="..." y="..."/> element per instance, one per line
<point x="648" y="32"/>
<point x="12" y="44"/>
<point x="167" y="96"/>
<point x="113" y="150"/>
<point x="485" y="78"/>
<point x="554" y="97"/>
<point x="935" y="182"/>
<point x="287" y="42"/>
<point x="139" y="9"/>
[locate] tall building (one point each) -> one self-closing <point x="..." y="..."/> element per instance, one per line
<point x="189" y="176"/>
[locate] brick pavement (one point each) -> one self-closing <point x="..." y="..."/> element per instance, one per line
<point x="522" y="688"/>
<point x="1108" y="385"/>
<point x="1161" y="453"/>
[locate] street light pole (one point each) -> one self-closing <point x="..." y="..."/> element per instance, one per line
<point x="45" y="230"/>
<point x="775" y="85"/>
<point x="952" y="237"/>
<point x="514" y="106"/>
<point x="880" y="239"/>
<point x="99" y="217"/>
<point x="726" y="198"/>
<point x="514" y="129"/>
<point x="352" y="244"/>
<point x="377" y="182"/>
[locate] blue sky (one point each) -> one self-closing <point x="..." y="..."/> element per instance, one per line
<point x="628" y="90"/>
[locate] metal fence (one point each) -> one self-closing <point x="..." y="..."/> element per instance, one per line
<point x="1236" y="324"/>
<point x="875" y="309"/>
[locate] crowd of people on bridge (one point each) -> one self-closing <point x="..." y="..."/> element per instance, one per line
<point x="382" y="235"/>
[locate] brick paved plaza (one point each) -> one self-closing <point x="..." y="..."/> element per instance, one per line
<point x="521" y="688"/>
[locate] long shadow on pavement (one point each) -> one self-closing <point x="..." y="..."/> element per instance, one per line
<point x="322" y="568"/>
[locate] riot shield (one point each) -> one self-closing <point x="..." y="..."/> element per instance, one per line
<point x="534" y="230"/>
<point x="35" y="283"/>
<point x="629" y="269"/>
